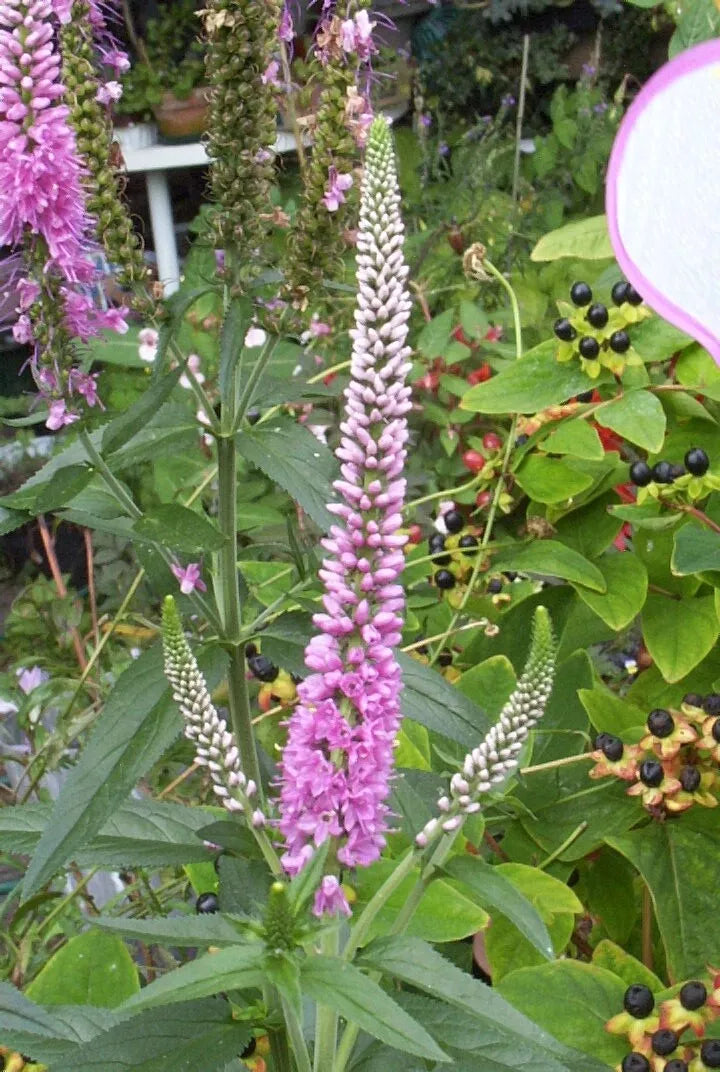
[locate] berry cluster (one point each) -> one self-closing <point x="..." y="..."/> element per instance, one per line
<point x="487" y="465"/>
<point x="596" y="335"/>
<point x="452" y="552"/>
<point x="675" y="764"/>
<point x="667" y="480"/>
<point x="655" y="1033"/>
<point x="278" y="686"/>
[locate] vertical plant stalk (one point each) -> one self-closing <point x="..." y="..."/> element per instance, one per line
<point x="238" y="696"/>
<point x="520" y="116"/>
<point x="326" y="1019"/>
<point x="647" y="928"/>
<point x="49" y="547"/>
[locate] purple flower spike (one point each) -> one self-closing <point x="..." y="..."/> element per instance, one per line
<point x="338" y="761"/>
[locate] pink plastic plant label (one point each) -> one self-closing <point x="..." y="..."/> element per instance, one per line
<point x="663" y="194"/>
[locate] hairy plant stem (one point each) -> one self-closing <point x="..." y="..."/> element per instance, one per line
<point x="557" y="853"/>
<point x="326" y="1020"/>
<point x="229" y="592"/>
<point x="297" y="1041"/>
<point x="504" y="469"/>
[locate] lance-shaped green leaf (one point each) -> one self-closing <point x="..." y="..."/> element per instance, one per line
<point x="181" y="931"/>
<point x="342" y="987"/>
<point x="238" y="967"/>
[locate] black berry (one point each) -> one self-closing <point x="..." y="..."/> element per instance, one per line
<point x="206" y="904"/>
<point x="580" y="294"/>
<point x="586" y="396"/>
<point x="692" y="699"/>
<point x="589" y="348"/>
<point x="640" y="474"/>
<point x="660" y="722"/>
<point x="253" y="415"/>
<point x="710" y="1053"/>
<point x="564" y="329"/>
<point x="620" y="342"/>
<point x="436" y="544"/>
<point x="467" y="542"/>
<point x="662" y="473"/>
<point x="715" y="731"/>
<point x="638" y="1000"/>
<point x="601" y="738"/>
<point x="678" y="471"/>
<point x="632" y="295"/>
<point x="444" y="579"/>
<point x="250" y="650"/>
<point x="454" y="521"/>
<point x="494" y="586"/>
<point x="693" y="995"/>
<point x="676" y="1065"/>
<point x="635" y="1062"/>
<point x="711" y="703"/>
<point x="651" y="773"/>
<point x="612" y="748"/>
<point x="597" y="315"/>
<point x="249" y="1049"/>
<point x="445" y="658"/>
<point x="664" y="1042"/>
<point x="521" y="440"/>
<point x="697" y="461"/>
<point x="690" y="781"/>
<point x="619" y="292"/>
<point x="262" y="668"/>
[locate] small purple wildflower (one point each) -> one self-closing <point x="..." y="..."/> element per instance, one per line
<point x="334" y="195"/>
<point x="189" y="578"/>
<point x="29" y="680"/>
<point x="425" y="120"/>
<point x="330" y="899"/>
<point x="600" y="108"/>
<point x="508" y="101"/>
<point x="444" y="148"/>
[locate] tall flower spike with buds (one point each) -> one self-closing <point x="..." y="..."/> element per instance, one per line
<point x="338" y="760"/>
<point x="215" y="747"/>
<point x="497" y="755"/>
<point x="242" y="36"/>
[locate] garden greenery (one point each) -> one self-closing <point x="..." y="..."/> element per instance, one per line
<point x="391" y="719"/>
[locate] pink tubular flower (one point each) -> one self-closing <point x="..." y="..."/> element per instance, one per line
<point x="356" y="36"/>
<point x="337" y="185"/>
<point x="189" y="578"/>
<point x="270" y="74"/>
<point x="60" y="416"/>
<point x="286" y="30"/>
<point x="330" y="899"/>
<point x="337" y="763"/>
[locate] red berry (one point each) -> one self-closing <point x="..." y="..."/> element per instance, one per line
<point x="414" y="534"/>
<point x="492" y="441"/>
<point x="480" y="375"/>
<point x="473" y="460"/>
<point x="483" y="499"/>
<point x="459" y="336"/>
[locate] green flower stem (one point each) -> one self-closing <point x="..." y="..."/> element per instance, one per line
<point x="238" y="697"/>
<point x="564" y="762"/>
<point x="246" y="395"/>
<point x="505" y="468"/>
<point x="577" y="832"/>
<point x="326" y="1020"/>
<point x="446" y="493"/>
<point x="133" y="510"/>
<point x="297" y="1042"/>
<point x="361" y="929"/>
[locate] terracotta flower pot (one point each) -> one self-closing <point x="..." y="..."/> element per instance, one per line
<point x="183" y="120"/>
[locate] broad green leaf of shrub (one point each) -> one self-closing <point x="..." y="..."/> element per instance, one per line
<point x="609" y="714"/>
<point x="556" y="904"/>
<point x="550" y="480"/>
<point x="549" y="558"/>
<point x="696" y="369"/>
<point x="433" y="339"/>
<point x="614" y="958"/>
<point x="489" y="682"/>
<point x="339" y="985"/>
<point x="94" y="968"/>
<point x="529" y="385"/>
<point x="679" y="633"/>
<point x="678" y="861"/>
<point x="575" y="437"/>
<point x="572" y="1001"/>
<point x="446" y="913"/>
<point x="611" y="898"/>
<point x="696" y="549"/>
<point x="496" y="891"/>
<point x="587" y="239"/>
<point x="427" y="698"/>
<point x="637" y="416"/>
<point x="626" y="580"/>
